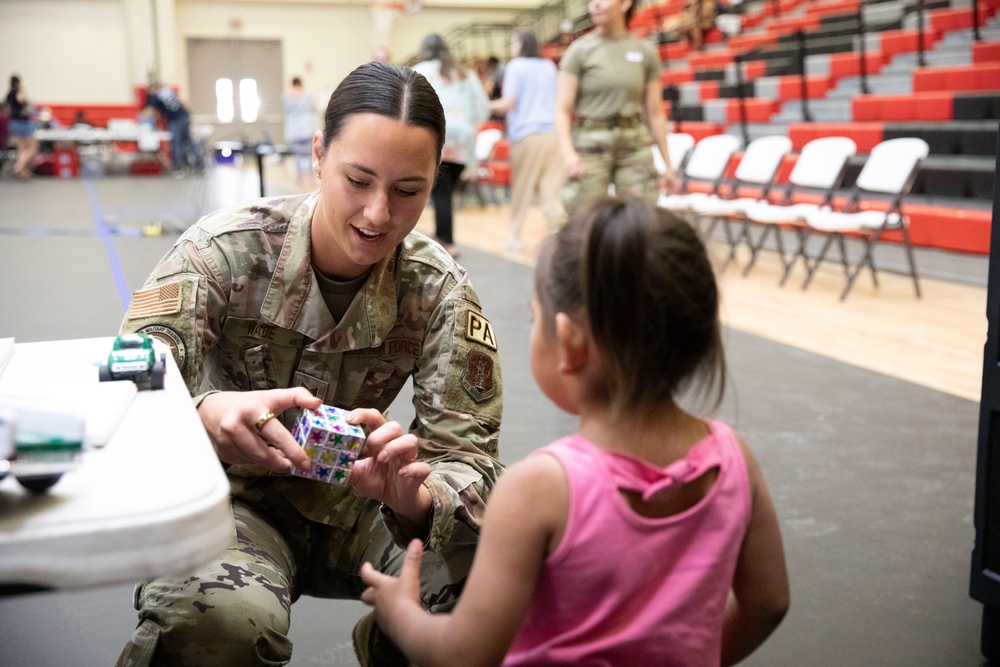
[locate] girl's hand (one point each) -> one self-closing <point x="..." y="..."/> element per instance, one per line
<point x="231" y="419"/>
<point x="388" y="470"/>
<point x="396" y="600"/>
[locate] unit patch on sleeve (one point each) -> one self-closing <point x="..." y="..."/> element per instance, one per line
<point x="162" y="300"/>
<point x="478" y="378"/>
<point x="171" y="338"/>
<point x="480" y="330"/>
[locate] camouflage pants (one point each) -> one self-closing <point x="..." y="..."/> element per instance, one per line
<point x="622" y="157"/>
<point x="236" y="609"/>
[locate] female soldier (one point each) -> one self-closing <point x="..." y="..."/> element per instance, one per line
<point x="610" y="81"/>
<point x="327" y="297"/>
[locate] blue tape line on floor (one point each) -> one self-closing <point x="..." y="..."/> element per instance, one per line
<point x="104" y="232"/>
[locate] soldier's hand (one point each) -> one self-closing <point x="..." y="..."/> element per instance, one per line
<point x="573" y="167"/>
<point x="231" y="419"/>
<point x="388" y="469"/>
<point x="394" y="598"/>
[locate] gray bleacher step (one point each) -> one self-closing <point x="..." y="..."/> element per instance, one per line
<point x="948" y="57"/>
<point x="825" y="111"/>
<point x="884" y="83"/>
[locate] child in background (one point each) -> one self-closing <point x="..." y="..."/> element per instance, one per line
<point x="647" y="538"/>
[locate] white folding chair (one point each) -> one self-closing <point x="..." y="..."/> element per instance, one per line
<point x="820" y="166"/>
<point x="485" y="141"/>
<point x="890" y="169"/>
<point x="758" y="168"/>
<point x="679" y="145"/>
<point x="707" y="162"/>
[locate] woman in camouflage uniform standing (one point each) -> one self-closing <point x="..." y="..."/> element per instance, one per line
<point x="331" y="297"/>
<point x="609" y="109"/>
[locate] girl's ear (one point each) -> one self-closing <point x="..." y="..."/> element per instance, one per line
<point x="572" y="344"/>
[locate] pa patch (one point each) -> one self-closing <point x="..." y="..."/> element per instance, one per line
<point x="171" y="338"/>
<point x="479" y="329"/>
<point x="478" y="378"/>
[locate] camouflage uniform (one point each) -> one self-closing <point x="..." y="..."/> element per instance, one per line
<point x="237" y="301"/>
<point x="609" y="133"/>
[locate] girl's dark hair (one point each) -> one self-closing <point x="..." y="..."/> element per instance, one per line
<point x="387" y="90"/>
<point x="15" y="82"/>
<point x="640" y="278"/>
<point x="529" y="45"/>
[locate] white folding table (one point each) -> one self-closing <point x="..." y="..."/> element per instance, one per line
<point x="152" y="500"/>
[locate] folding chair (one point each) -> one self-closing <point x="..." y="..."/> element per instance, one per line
<point x="820" y="166"/>
<point x="758" y="167"/>
<point x="890" y="169"/>
<point x="707" y="162"/>
<point x="486" y="139"/>
<point x="679" y="145"/>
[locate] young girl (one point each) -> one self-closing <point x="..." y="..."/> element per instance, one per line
<point x="649" y="537"/>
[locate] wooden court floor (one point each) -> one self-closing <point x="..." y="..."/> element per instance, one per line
<point x="934" y="341"/>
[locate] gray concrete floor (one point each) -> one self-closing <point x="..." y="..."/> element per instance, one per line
<point x="873" y="477"/>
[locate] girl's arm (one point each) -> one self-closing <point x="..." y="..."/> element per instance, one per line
<point x="759" y="598"/>
<point x="524" y="521"/>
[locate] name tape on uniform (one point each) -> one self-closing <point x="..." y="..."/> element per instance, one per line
<point x="480" y="330"/>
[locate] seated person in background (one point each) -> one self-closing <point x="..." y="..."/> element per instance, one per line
<point x="697" y="17"/>
<point x="80" y="121"/>
<point x="704" y="582"/>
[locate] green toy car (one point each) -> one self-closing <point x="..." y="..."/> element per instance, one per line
<point x="39" y="443"/>
<point x="133" y="357"/>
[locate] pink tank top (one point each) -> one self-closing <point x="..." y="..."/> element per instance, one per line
<point x="621" y="589"/>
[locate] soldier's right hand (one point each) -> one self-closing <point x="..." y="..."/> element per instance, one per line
<point x="231" y="419"/>
<point x="573" y="167"/>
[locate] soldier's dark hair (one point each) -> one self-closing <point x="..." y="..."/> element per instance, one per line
<point x="387" y="90"/>
<point x="631" y="11"/>
<point x="640" y="278"/>
<point x="529" y="45"/>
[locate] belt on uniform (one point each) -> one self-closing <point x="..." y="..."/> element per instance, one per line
<point x="609" y="123"/>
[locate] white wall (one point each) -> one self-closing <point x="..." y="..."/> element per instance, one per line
<point x="97" y="51"/>
<point x="67" y="51"/>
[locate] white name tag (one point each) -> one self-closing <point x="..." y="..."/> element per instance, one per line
<point x="633" y="56"/>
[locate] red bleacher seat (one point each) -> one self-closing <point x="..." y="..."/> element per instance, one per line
<point x="925" y="106"/>
<point x="986" y="52"/>
<point x="981" y="76"/>
<point x="865" y="135"/>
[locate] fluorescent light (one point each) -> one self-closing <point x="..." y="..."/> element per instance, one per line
<point x="224" y="100"/>
<point x="249" y="104"/>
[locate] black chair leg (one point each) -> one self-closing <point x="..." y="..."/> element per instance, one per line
<point x="818" y="260"/>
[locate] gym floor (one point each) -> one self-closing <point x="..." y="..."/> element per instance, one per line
<point x="872" y="473"/>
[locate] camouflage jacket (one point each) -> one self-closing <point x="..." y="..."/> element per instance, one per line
<point x="238" y="303"/>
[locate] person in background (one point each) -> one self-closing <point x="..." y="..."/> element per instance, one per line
<point x="80" y="121"/>
<point x="300" y="126"/>
<point x="697" y="17"/>
<point x="46" y="121"/>
<point x="464" y="102"/>
<point x="381" y="54"/>
<point x="21" y="128"/>
<point x="327" y="297"/>
<point x="704" y="581"/>
<point x="528" y="100"/>
<point x="609" y="109"/>
<point x="162" y="100"/>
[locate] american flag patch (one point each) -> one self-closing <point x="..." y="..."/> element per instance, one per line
<point x="162" y="300"/>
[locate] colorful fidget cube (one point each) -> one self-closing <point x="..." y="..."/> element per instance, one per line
<point x="330" y="442"/>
